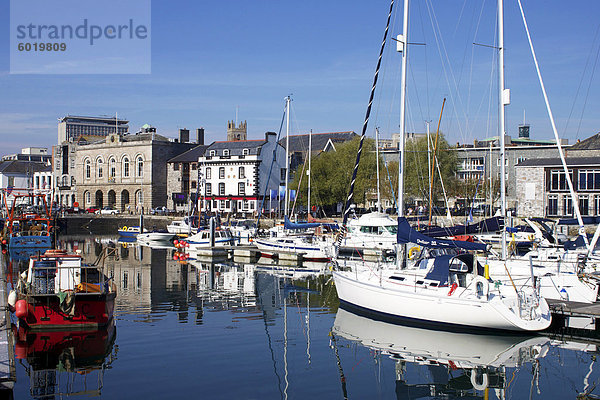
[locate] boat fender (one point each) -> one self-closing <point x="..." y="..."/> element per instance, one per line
<point x="452" y="288"/>
<point x="479" y="380"/>
<point x="412" y="252"/>
<point x="21" y="309"/>
<point x="12" y="298"/>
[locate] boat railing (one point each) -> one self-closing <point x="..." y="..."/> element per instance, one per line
<point x="31" y="233"/>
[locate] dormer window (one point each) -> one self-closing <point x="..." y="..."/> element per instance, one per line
<point x="213" y="153"/>
<point x="226" y="152"/>
<point x="245" y="152"/>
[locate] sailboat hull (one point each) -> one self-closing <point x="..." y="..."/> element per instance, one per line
<point x="432" y="307"/>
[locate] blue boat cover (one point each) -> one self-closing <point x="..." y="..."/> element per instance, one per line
<point x="573" y="221"/>
<point x="287" y="224"/>
<point x="406" y="234"/>
<point x="487" y="225"/>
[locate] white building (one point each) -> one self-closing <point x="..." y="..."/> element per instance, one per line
<point x="17" y="176"/>
<point x="237" y="175"/>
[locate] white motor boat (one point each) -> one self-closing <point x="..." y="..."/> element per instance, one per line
<point x="373" y="230"/>
<point x="184" y="226"/>
<point x="309" y="246"/>
<point x="202" y="239"/>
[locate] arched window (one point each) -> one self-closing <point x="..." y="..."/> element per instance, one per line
<point x="140" y="166"/>
<point x="112" y="167"/>
<point x="99" y="162"/>
<point x="126" y="167"/>
<point x="88" y="169"/>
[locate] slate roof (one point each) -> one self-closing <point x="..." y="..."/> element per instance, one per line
<point x="22" y="167"/>
<point x="319" y="140"/>
<point x="236" y="147"/>
<point x="591" y="143"/>
<point x="555" y="162"/>
<point x="190" y="155"/>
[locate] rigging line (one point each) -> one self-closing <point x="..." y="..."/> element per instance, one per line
<point x="587" y="93"/>
<point x="364" y="130"/>
<point x="426" y="63"/>
<point x="478" y="24"/>
<point x="587" y="63"/>
<point x="262" y="204"/>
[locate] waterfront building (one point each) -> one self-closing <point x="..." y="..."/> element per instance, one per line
<point x="126" y="172"/>
<point x="183" y="175"/>
<point x="320" y="142"/>
<point x="237" y="175"/>
<point x="37" y="154"/>
<point x="17" y="176"/>
<point x="73" y="127"/>
<point x="543" y="189"/>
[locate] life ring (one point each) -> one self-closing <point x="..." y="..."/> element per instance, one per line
<point x="124" y="229"/>
<point x="479" y="380"/>
<point x="412" y="251"/>
<point x="452" y="288"/>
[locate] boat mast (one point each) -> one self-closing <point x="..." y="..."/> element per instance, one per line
<point x="402" y="46"/>
<point x="503" y="101"/>
<point x="377" y="155"/>
<point x="287" y="154"/>
<point x="308" y="172"/>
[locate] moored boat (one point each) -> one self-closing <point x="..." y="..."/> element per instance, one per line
<point x="59" y="291"/>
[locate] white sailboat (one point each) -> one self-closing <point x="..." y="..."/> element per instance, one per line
<point x="438" y="287"/>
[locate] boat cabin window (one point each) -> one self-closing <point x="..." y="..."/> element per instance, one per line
<point x="393" y="229"/>
<point x="369" y="229"/>
<point x="458" y="265"/>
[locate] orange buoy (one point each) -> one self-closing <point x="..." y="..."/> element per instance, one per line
<point x="21" y="309"/>
<point x="175" y="242"/>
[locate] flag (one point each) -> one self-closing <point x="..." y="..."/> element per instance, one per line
<point x="281" y="191"/>
<point x="273" y="194"/>
<point x="470" y="219"/>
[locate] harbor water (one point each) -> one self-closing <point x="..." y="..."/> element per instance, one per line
<point x="226" y="330"/>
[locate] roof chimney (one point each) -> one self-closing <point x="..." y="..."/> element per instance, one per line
<point x="200" y="136"/>
<point x="184" y="135"/>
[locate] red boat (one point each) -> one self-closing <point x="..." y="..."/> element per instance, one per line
<point x="58" y="291"/>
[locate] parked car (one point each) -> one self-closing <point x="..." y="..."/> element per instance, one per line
<point x="91" y="210"/>
<point x="159" y="211"/>
<point x="108" y="211"/>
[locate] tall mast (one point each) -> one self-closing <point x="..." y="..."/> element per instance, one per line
<point x="503" y="101"/>
<point x="377" y="155"/>
<point x="308" y="172"/>
<point x="287" y="154"/>
<point x="402" y="46"/>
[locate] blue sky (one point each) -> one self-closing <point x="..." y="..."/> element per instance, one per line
<point x="209" y="58"/>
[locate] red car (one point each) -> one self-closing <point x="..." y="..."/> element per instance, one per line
<point x="91" y="210"/>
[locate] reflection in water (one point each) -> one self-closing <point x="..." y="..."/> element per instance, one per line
<point x="61" y="363"/>
<point x="270" y="329"/>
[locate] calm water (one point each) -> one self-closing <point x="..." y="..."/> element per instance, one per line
<point x="222" y="331"/>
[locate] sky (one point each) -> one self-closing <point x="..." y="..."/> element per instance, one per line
<point x="213" y="60"/>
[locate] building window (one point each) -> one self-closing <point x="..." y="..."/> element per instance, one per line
<point x="226" y="152"/>
<point x="112" y="168"/>
<point x="597" y="204"/>
<point x="584" y="205"/>
<point x="208" y="188"/>
<point x="227" y="204"/>
<point x="194" y="166"/>
<point x="221" y="189"/>
<point x="245" y="152"/>
<point x="88" y="198"/>
<point x="175" y="166"/>
<point x="553" y="204"/>
<point x="214" y="204"/>
<point x="140" y="167"/>
<point x="282" y="174"/>
<point x="567" y="206"/>
<point x="242" y="173"/>
<point x="245" y="205"/>
<point x="100" y="172"/>
<point x="222" y="204"/>
<point x="208" y="173"/>
<point x="241" y="189"/>
<point x="212" y="153"/>
<point x="558" y="180"/>
<point x="193" y="184"/>
<point x="221" y="172"/>
<point x="589" y="179"/>
<point x="88" y="169"/>
<point x="126" y="167"/>
<point x="252" y="205"/>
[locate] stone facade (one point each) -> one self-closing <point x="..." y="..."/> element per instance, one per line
<point x="531" y="182"/>
<point x="239" y="132"/>
<point x="127" y="172"/>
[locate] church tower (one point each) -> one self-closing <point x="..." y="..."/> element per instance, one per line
<point x="236" y="133"/>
